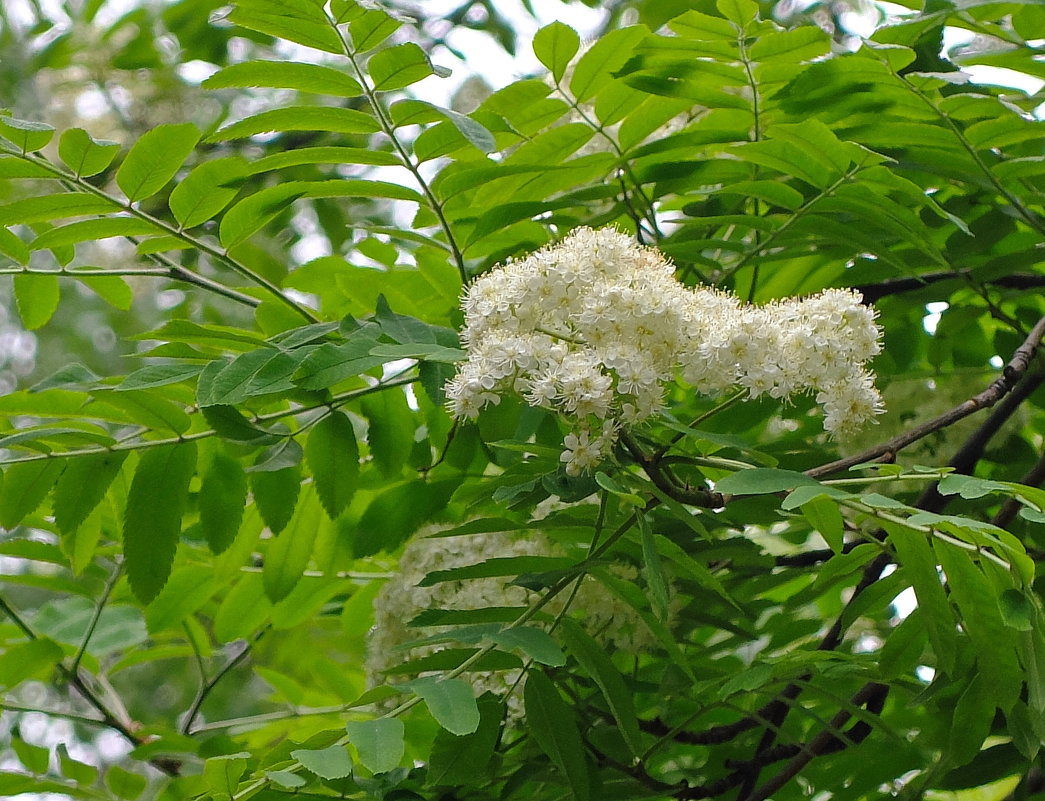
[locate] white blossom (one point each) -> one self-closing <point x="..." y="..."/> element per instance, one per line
<point x="595" y="326"/>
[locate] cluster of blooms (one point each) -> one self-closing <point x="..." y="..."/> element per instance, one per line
<point x="603" y="614"/>
<point x="595" y="326"/>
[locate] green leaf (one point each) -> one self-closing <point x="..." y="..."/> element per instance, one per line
<point x="24" y="487"/>
<point x="371" y="28"/>
<point x="222" y="498"/>
<point x="13" y="247"/>
<point x="914" y="553"/>
<point x="762" y="481"/>
<point x="331" y="364"/>
<point x="653" y="569"/>
<point x="287" y="556"/>
<point x="552" y="725"/>
<point x="82" y="773"/>
<point x="379" y="743"/>
<point x="54" y="207"/>
<point x="123" y="784"/>
<point x="243" y="611"/>
<point x="303" y="77"/>
<point x="451" y="702"/>
<point x="536" y="644"/>
<point x="158" y="375"/>
<point x="555" y="45"/>
<point x="463" y="759"/>
<point x="25" y="660"/>
<point x="299" y="118"/>
<point x="82" y="486"/>
<point x="596" y="67"/>
<point x="323" y="155"/>
<point x="27" y="135"/>
<point x="398" y="66"/>
<point x="1017" y="610"/>
<point x="84" y="154"/>
<point x="187" y="590"/>
<point x="296" y="21"/>
<point x="597" y="663"/>
<point x="740" y="12"/>
<point x="155" y="158"/>
<point x="37" y="298"/>
<point x="229" y="424"/>
<point x="207" y="189"/>
<point x="93" y="230"/>
<point x="499" y="566"/>
<point x="972" y="721"/>
<point x="327" y="763"/>
<point x="397" y="513"/>
<point x="333" y="456"/>
<point x="823" y="514"/>
<point x="275" y="495"/>
<point x="152" y="520"/>
<point x="255" y="211"/>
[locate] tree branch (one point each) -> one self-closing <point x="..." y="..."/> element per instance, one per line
<point x="872" y="293"/>
<point x="1001" y="386"/>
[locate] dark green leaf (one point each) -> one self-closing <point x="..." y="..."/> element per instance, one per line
<point x="222" y="498"/>
<point x="536" y="644"/>
<point x="762" y="481"/>
<point x="333" y="456"/>
<point x="823" y="514"/>
<point x="462" y="759"/>
<point x="82" y="487"/>
<point x="552" y="725"/>
<point x="275" y="495"/>
<point x="24" y="488"/>
<point x="152" y="520"/>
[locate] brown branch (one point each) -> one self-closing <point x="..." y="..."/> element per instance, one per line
<point x="894" y="286"/>
<point x="1001" y="386"/>
<point x="871" y="695"/>
<point x="704" y="498"/>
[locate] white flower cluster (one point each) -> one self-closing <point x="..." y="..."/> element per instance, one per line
<point x="595" y="326"/>
<point x="603" y="614"/>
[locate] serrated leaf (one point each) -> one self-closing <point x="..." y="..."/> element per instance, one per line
<point x="552" y="725"/>
<point x="653" y="569"/>
<point x="555" y="45"/>
<point x="327" y="763"/>
<point x="371" y="27"/>
<point x="303" y="77"/>
<point x="113" y="289"/>
<point x="222" y="498"/>
<point x="24" y="487"/>
<point x="82" y="487"/>
<point x="85" y="155"/>
<point x="23" y="660"/>
<point x="287" y="556"/>
<point x="276" y="494"/>
<point x="379" y="743"/>
<point x="332" y="454"/>
<point x="397" y="513"/>
<point x="228" y="423"/>
<point x="188" y="588"/>
<point x="451" y="702"/>
<point x="152" y="520"/>
<point x="331" y="364"/>
<point x="207" y="189"/>
<point x="37" y="297"/>
<point x="303" y="25"/>
<point x="155" y="158"/>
